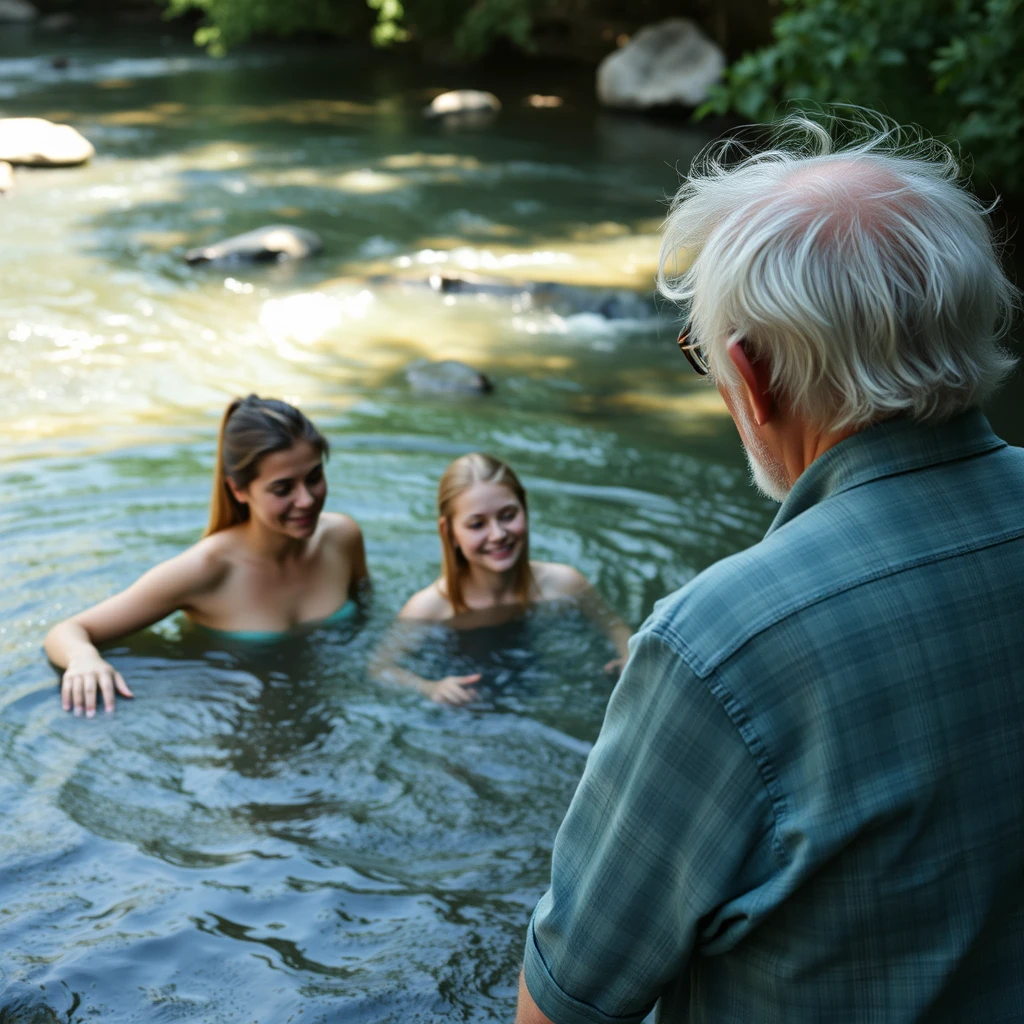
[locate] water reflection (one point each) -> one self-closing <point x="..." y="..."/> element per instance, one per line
<point x="370" y="846"/>
<point x="266" y="832"/>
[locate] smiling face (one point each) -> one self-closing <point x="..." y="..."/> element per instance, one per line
<point x="488" y="525"/>
<point x="289" y="492"/>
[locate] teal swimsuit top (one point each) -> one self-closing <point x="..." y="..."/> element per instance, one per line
<point x="346" y="611"/>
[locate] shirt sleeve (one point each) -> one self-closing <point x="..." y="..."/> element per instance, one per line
<point x="662" y="831"/>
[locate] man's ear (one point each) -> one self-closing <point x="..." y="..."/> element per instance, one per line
<point x="756" y="382"/>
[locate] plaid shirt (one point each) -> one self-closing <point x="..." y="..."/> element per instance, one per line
<point x="806" y="803"/>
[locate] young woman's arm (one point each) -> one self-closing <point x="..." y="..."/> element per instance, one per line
<point x="345" y="540"/>
<point x="611" y="625"/>
<point x="564" y="581"/>
<point x="72" y="644"/>
<point x="421" y="608"/>
<point x="356" y="550"/>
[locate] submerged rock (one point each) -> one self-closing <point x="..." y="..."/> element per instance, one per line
<point x="671" y="63"/>
<point x="17" y="11"/>
<point x="276" y="242"/>
<point x="36" y="142"/>
<point x="464" y="106"/>
<point x="447" y="377"/>
<point x="6" y="177"/>
<point x="59" y="22"/>
<point x="564" y="299"/>
<point x="451" y="283"/>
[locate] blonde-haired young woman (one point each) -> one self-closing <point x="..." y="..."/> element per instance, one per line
<point x="486" y="568"/>
<point x="270" y="559"/>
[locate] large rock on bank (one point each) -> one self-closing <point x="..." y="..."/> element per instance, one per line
<point x="38" y="143"/>
<point x="17" y="12"/>
<point x="669" y="64"/>
<point x="263" y="245"/>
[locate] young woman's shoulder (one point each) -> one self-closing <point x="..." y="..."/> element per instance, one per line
<point x="554" y="579"/>
<point x="428" y="605"/>
<point x="208" y="561"/>
<point x="341" y="529"/>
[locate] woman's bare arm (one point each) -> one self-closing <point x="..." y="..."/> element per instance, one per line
<point x="558" y="580"/>
<point x="73" y="644"/>
<point x="421" y="609"/>
<point x="349" y="539"/>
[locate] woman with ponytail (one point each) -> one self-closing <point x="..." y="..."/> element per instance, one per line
<point x="270" y="560"/>
<point x="487" y="573"/>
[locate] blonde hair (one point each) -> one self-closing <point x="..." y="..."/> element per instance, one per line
<point x="251" y="429"/>
<point x="463" y="473"/>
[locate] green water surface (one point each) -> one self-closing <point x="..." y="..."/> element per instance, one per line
<point x="271" y="837"/>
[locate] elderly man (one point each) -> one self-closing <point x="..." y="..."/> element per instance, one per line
<point x="807" y="800"/>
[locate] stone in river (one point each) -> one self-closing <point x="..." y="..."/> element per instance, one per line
<point x="276" y="242"/>
<point x="461" y="105"/>
<point x="58" y="22"/>
<point x="6" y="177"/>
<point x="671" y="63"/>
<point x="465" y="283"/>
<point x="447" y="377"/>
<point x="564" y="299"/>
<point x="36" y="142"/>
<point x="17" y="11"/>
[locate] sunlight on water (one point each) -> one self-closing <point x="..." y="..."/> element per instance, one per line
<point x="264" y="835"/>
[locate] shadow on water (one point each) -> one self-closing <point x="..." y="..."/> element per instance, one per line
<point x="273" y="810"/>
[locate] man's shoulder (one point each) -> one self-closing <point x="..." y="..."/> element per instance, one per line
<point x="830" y="551"/>
<point x="723" y="607"/>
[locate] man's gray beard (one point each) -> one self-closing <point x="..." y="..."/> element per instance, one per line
<point x="766" y="474"/>
<point x="763" y="479"/>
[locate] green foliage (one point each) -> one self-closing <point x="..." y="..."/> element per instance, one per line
<point x="952" y="66"/>
<point x="485" y="22"/>
<point x="475" y="27"/>
<point x="389" y="28"/>
<point x="981" y="75"/>
<point x="229" y="22"/>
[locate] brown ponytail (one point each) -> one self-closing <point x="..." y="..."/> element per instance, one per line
<point x="251" y="429"/>
<point x="463" y="473"/>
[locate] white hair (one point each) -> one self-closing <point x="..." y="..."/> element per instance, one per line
<point x="865" y="273"/>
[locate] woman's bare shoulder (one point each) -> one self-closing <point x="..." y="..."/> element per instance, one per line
<point x="427" y="605"/>
<point x="340" y="528"/>
<point x="554" y="579"/>
<point x="208" y="561"/>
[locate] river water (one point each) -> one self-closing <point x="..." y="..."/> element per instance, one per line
<point x="266" y="835"/>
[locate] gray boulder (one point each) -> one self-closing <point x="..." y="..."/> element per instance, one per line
<point x="19" y="11"/>
<point x="563" y="299"/>
<point x="447" y="377"/>
<point x="6" y="177"/>
<point x="671" y="63"/>
<point x="269" y="244"/>
<point x="59" y="22"/>
<point x="464" y="106"/>
<point x="36" y="142"/>
<point x="467" y="283"/>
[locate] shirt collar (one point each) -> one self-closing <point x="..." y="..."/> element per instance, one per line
<point x="887" y="449"/>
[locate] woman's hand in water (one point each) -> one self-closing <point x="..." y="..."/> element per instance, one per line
<point x="85" y="675"/>
<point x="453" y="689"/>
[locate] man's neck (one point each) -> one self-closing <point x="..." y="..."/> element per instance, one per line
<point x="798" y="442"/>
